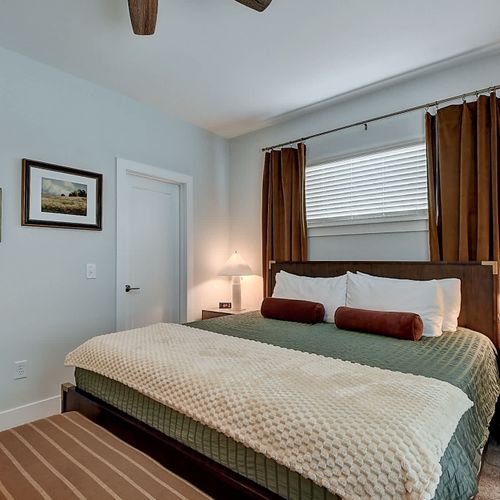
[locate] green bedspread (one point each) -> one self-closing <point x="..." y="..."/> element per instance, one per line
<point x="465" y="359"/>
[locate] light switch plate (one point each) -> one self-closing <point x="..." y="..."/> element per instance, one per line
<point x="91" y="271"/>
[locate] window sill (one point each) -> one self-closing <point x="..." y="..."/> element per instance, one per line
<point x="406" y="224"/>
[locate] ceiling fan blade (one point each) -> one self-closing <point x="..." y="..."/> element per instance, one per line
<point x="143" y="14"/>
<point x="259" y="5"/>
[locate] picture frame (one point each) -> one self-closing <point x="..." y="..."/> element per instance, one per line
<point x="60" y="197"/>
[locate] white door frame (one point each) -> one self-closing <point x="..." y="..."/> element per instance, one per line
<point x="185" y="183"/>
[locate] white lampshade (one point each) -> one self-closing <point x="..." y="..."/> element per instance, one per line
<point x="235" y="266"/>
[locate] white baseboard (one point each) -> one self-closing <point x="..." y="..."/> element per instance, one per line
<point x="27" y="413"/>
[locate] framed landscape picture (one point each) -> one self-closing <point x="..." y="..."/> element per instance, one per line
<point x="56" y="196"/>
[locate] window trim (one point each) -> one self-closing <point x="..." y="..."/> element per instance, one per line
<point x="403" y="224"/>
<point x="318" y="226"/>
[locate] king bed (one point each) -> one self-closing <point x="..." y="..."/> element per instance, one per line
<point x="226" y="467"/>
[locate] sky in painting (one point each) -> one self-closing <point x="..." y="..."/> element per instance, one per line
<point x="55" y="187"/>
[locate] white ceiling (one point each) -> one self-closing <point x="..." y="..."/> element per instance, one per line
<point x="229" y="69"/>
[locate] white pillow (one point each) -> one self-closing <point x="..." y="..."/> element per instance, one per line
<point x="452" y="295"/>
<point x="330" y="292"/>
<point x="424" y="298"/>
<point x="452" y="298"/>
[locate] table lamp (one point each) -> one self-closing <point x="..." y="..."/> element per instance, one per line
<point x="236" y="267"/>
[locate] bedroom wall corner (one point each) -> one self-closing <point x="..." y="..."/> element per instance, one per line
<point x="47" y="307"/>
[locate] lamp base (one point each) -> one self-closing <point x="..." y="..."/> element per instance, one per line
<point x="236" y="288"/>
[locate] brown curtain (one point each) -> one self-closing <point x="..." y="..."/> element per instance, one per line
<point x="463" y="157"/>
<point x="284" y="230"/>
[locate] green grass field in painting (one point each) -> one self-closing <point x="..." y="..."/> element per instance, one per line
<point x="68" y="205"/>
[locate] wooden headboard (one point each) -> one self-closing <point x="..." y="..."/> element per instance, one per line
<point x="479" y="283"/>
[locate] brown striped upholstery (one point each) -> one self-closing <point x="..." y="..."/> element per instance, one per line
<point x="69" y="457"/>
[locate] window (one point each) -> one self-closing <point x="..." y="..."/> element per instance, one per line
<point x="389" y="183"/>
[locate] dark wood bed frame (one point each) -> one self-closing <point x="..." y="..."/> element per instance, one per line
<point x="479" y="312"/>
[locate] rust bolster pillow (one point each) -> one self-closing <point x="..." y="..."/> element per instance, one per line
<point x="300" y="311"/>
<point x="402" y="325"/>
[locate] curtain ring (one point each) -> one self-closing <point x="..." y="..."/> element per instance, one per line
<point x="366" y="126"/>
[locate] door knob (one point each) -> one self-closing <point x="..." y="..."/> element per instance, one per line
<point x="129" y="288"/>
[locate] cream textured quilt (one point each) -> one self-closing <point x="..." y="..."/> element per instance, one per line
<point x="359" y="431"/>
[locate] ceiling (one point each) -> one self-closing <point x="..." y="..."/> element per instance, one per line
<point x="231" y="70"/>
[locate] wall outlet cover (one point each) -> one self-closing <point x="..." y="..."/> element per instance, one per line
<point x="20" y="369"/>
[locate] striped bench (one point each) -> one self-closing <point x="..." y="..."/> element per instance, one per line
<point x="69" y="457"/>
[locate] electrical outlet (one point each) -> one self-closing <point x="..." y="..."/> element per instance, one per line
<point x="20" y="369"/>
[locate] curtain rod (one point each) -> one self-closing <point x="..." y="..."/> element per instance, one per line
<point x="388" y="115"/>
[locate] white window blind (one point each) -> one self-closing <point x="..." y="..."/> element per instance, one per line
<point x="385" y="184"/>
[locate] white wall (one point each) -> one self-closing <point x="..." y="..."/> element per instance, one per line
<point x="47" y="307"/>
<point x="246" y="161"/>
<point x="406" y="240"/>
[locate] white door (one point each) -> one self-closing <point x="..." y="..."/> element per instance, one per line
<point x="149" y="252"/>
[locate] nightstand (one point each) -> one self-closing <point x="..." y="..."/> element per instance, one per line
<point x="217" y="313"/>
